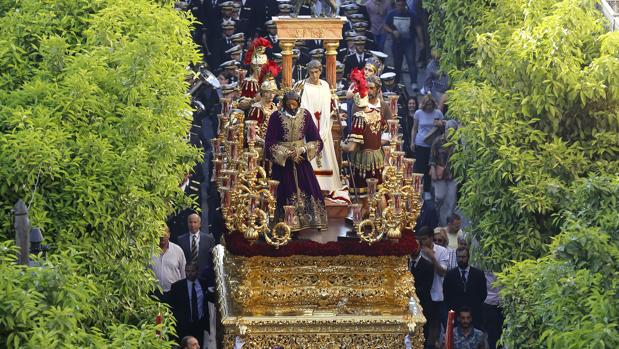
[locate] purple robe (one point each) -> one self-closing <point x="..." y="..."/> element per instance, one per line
<point x="283" y="134"/>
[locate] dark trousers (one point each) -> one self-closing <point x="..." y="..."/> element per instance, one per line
<point x="406" y="50"/>
<point x="493" y="323"/>
<point x="422" y="159"/>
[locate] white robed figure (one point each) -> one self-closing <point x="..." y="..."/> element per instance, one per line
<point x="316" y="98"/>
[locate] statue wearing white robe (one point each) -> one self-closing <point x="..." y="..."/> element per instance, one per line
<point x="317" y="100"/>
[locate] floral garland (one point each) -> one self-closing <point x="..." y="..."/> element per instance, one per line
<point x="406" y="245"/>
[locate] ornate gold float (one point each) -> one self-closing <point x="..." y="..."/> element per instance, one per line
<point x="317" y="302"/>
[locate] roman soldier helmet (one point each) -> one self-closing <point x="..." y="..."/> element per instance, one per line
<point x="357" y="77"/>
<point x="267" y="76"/>
<point x="255" y="54"/>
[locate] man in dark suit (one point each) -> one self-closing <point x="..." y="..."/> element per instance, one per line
<point x="251" y="17"/>
<point x="357" y="59"/>
<point x="189" y="299"/>
<point x="423" y="274"/>
<point x="465" y="285"/>
<point x="197" y="245"/>
<point x="271" y="35"/>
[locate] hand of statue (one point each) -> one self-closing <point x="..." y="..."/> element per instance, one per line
<point x="292" y="154"/>
<point x="298" y="158"/>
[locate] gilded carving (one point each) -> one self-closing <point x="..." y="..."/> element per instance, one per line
<point x="309" y="28"/>
<point x="317" y="302"/>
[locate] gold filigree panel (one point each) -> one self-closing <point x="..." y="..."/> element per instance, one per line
<point x="317" y="302"/>
<point x="357" y="285"/>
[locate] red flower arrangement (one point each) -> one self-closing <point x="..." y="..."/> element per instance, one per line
<point x="406" y="245"/>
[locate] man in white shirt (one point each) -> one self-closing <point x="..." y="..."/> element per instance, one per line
<point x="439" y="257"/>
<point x="169" y="264"/>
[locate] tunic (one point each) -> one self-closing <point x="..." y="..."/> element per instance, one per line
<point x="261" y="113"/>
<point x="367" y="160"/>
<point x="286" y="132"/>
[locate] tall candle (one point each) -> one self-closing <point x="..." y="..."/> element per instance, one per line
<point x="356" y="213"/>
<point x="289" y="214"/>
<point x="372" y="184"/>
<point x="251" y="126"/>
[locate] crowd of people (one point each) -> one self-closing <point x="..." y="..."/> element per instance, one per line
<point x="230" y="35"/>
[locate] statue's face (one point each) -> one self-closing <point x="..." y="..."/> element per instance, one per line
<point x="291" y="106"/>
<point x="314" y="75"/>
<point x="267" y="95"/>
<point x="372" y="91"/>
<point x="369" y="70"/>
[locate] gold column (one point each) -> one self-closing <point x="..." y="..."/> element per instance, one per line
<point x="331" y="51"/>
<point x="286" y="62"/>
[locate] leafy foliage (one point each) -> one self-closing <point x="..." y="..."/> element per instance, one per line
<point x="570" y="298"/>
<point x="541" y="109"/>
<point x="536" y="88"/>
<point x="92" y="118"/>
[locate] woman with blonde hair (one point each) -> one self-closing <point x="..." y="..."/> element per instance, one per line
<point x="427" y="125"/>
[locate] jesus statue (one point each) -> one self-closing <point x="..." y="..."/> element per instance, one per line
<point x="316" y="98"/>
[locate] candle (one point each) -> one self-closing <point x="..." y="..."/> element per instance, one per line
<point x="387" y="152"/>
<point x="217" y="166"/>
<point x="225" y="178"/>
<point x="251" y="126"/>
<point x="234" y="149"/>
<point x="397" y="202"/>
<point x="372" y="185"/>
<point x="216" y="144"/>
<point x="356" y="213"/>
<point x="393" y="104"/>
<point x="225" y="200"/>
<point x="399" y="156"/>
<point x="289" y="214"/>
<point x="251" y="160"/>
<point x="408" y="168"/>
<point x="393" y="126"/>
<point x="233" y="178"/>
<point x="418" y="182"/>
<point x="222" y="121"/>
<point x="230" y="134"/>
<point x="273" y="187"/>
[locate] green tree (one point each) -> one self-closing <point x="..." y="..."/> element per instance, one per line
<point x="536" y="87"/>
<point x="570" y="298"/>
<point x="93" y="116"/>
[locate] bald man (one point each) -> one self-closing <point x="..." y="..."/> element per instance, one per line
<point x="197" y="245"/>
